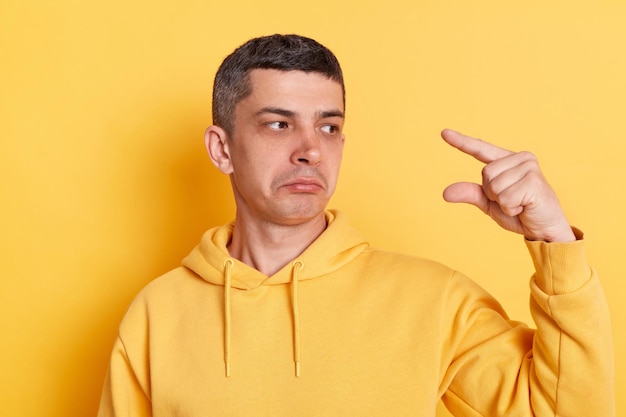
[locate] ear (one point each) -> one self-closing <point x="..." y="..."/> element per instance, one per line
<point x="215" y="140"/>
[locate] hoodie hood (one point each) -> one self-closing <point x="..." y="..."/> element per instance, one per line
<point x="335" y="247"/>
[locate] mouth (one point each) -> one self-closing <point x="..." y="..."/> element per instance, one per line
<point x="304" y="185"/>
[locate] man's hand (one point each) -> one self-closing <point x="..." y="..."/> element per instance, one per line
<point x="514" y="192"/>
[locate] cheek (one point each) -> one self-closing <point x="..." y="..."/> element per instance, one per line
<point x="246" y="159"/>
<point x="335" y="157"/>
<point x="255" y="169"/>
<point x="332" y="168"/>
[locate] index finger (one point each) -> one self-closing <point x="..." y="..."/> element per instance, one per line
<point x="483" y="151"/>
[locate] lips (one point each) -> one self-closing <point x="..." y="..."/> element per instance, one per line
<point x="304" y="184"/>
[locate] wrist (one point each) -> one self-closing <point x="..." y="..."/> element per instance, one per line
<point x="564" y="235"/>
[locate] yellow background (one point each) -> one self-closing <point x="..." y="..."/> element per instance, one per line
<point x="105" y="183"/>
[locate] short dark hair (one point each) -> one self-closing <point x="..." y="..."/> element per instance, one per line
<point x="280" y="52"/>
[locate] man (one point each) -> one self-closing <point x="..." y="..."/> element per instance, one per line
<point x="288" y="312"/>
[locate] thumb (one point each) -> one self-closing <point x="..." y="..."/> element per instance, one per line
<point x="467" y="192"/>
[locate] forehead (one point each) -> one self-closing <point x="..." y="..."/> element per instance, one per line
<point x="298" y="88"/>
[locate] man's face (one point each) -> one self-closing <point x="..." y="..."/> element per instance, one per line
<point x="286" y="146"/>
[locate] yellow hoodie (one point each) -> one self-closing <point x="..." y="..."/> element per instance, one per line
<point x="348" y="330"/>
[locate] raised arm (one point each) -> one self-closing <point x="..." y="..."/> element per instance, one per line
<point x="568" y="366"/>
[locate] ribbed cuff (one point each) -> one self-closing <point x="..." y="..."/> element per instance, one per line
<point x="561" y="268"/>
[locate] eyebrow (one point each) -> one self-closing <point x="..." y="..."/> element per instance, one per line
<point x="275" y="110"/>
<point x="289" y="113"/>
<point x="332" y="113"/>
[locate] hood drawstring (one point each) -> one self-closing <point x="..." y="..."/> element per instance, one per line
<point x="228" y="264"/>
<point x="297" y="266"/>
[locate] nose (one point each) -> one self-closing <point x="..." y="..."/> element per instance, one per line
<point x="308" y="150"/>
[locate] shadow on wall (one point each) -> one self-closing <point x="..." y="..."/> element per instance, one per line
<point x="164" y="194"/>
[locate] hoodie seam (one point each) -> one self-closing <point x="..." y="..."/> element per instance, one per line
<point x="132" y="367"/>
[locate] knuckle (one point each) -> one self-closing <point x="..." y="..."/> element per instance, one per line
<point x="531" y="166"/>
<point x="486" y="172"/>
<point x="528" y="156"/>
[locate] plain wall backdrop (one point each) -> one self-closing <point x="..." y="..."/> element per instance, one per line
<point x="105" y="183"/>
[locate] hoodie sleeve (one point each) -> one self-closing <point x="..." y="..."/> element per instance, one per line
<point x="573" y="347"/>
<point x="565" y="367"/>
<point x="126" y="391"/>
<point x="123" y="395"/>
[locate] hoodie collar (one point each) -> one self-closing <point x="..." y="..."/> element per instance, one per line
<point x="335" y="247"/>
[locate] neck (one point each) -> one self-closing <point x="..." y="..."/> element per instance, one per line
<point x="268" y="246"/>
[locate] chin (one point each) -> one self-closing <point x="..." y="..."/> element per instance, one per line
<point x="300" y="214"/>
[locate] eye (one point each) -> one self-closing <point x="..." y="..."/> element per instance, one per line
<point x="277" y="125"/>
<point x="330" y="129"/>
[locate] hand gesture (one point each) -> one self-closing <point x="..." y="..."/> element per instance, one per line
<point x="514" y="192"/>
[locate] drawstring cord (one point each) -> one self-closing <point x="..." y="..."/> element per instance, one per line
<point x="297" y="266"/>
<point x="228" y="264"/>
